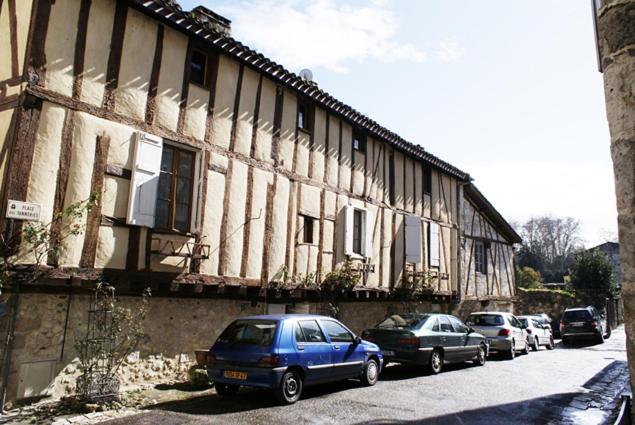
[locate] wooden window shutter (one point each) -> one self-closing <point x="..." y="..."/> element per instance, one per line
<point x="368" y="235"/>
<point x="197" y="196"/>
<point x="348" y="230"/>
<point x="144" y="182"/>
<point x="413" y="239"/>
<point x="434" y="249"/>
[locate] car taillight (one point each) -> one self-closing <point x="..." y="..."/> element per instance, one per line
<point x="269" y="361"/>
<point x="408" y="341"/>
<point x="504" y="332"/>
<point x="528" y="331"/>
<point x="369" y="338"/>
<point x="211" y="359"/>
<point x="594" y="323"/>
<point x="562" y="326"/>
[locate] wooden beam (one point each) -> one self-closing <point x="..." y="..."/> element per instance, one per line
<point x="248" y="214"/>
<point x="36" y="65"/>
<point x="222" y="255"/>
<point x="213" y="78"/>
<point x="114" y="58"/>
<point x="254" y="127"/>
<point x="239" y="86"/>
<point x="93" y="219"/>
<point x="271" y="191"/>
<point x="80" y="47"/>
<point x="134" y="245"/>
<point x="185" y="87"/>
<point x="151" y="103"/>
<point x="13" y="35"/>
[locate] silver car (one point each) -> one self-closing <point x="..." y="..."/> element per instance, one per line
<point x="537" y="333"/>
<point x="505" y="334"/>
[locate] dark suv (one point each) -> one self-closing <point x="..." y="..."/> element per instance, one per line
<point x="583" y="322"/>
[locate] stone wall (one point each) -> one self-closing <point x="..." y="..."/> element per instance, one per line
<point x="44" y="359"/>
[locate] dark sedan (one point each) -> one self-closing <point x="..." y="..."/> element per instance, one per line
<point x="427" y="339"/>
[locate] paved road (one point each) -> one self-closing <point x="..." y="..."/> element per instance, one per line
<point x="541" y="387"/>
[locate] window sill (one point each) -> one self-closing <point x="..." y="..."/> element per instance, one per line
<point x="199" y="85"/>
<point x="174" y="232"/>
<point x="305" y="131"/>
<point x="356" y="257"/>
<point x="307" y="244"/>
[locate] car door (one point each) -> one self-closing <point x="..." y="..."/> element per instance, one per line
<point x="450" y="340"/>
<point x="314" y="351"/>
<point x="466" y="348"/>
<point x="347" y="361"/>
<point x="517" y="331"/>
<point x="541" y="332"/>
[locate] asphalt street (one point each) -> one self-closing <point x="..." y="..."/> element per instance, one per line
<point x="537" y="388"/>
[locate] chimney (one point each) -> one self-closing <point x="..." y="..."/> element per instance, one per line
<point x="211" y="20"/>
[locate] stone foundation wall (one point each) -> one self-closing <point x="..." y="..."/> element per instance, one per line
<point x="44" y="358"/>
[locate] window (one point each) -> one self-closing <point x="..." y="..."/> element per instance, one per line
<point x="480" y="258"/>
<point x="458" y="325"/>
<point x="427" y="180"/>
<point x="486" y="320"/>
<point x="436" y="327"/>
<point x="198" y="67"/>
<point x="357" y="232"/>
<point x="304" y="116"/>
<point x="446" y="326"/>
<point x="403" y="321"/>
<point x="311" y="331"/>
<point x="337" y="332"/>
<point x="174" y="194"/>
<point x="359" y="142"/>
<point x="253" y="332"/>
<point x="434" y="245"/>
<point x="307" y="229"/>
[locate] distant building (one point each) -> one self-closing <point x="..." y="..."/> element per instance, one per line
<point x="612" y="251"/>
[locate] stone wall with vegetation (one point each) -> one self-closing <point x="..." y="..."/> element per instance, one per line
<point x="552" y="302"/>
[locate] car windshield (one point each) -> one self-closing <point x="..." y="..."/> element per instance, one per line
<point x="486" y="320"/>
<point x="403" y="321"/>
<point x="254" y="332"/>
<point x="523" y="321"/>
<point x="576" y="316"/>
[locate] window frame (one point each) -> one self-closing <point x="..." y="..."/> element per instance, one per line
<point x="427" y="180"/>
<point x="319" y="328"/>
<point x="308" y="230"/>
<point x="480" y="256"/>
<point x="359" y="227"/>
<point x="206" y="69"/>
<point x="172" y="202"/>
<point x="324" y="324"/>
<point x="307" y="116"/>
<point x="360" y="137"/>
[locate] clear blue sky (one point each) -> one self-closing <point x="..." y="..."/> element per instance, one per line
<point x="507" y="91"/>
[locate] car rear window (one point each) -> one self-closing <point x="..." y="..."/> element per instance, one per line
<point x="523" y="321"/>
<point x="576" y="316"/>
<point x="253" y="332"/>
<point x="403" y="321"/>
<point x="486" y="320"/>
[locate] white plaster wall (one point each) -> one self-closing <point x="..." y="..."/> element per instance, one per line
<point x="170" y="81"/>
<point x="213" y="220"/>
<point x="112" y="248"/>
<point x="302" y="153"/>
<point x="246" y="108"/>
<point x="346" y="157"/>
<point x="136" y="65"/>
<point x="115" y="197"/>
<point x="279" y="234"/>
<point x="319" y="145"/>
<point x="196" y="112"/>
<point x="264" y="134"/>
<point x="332" y="165"/>
<point x="287" y="129"/>
<point x="100" y="22"/>
<point x="257" y="226"/>
<point x="224" y="101"/>
<point x="23" y="14"/>
<point x="409" y="186"/>
<point x="236" y="218"/>
<point x="59" y="47"/>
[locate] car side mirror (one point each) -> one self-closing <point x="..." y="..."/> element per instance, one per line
<point x="358" y="340"/>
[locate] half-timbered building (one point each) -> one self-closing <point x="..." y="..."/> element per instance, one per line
<point x="226" y="183"/>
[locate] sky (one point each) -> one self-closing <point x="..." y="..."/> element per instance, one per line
<point x="507" y="91"/>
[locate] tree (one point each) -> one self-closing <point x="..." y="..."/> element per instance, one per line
<point x="549" y="245"/>
<point x="592" y="274"/>
<point x="526" y="277"/>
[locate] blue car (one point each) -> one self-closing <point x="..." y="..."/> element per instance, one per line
<point x="288" y="351"/>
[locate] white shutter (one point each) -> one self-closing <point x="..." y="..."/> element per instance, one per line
<point x="413" y="239"/>
<point x="368" y="235"/>
<point x="348" y="230"/>
<point x="197" y="201"/>
<point x="435" y="254"/>
<point x="144" y="183"/>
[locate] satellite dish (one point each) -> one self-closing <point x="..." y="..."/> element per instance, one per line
<point x="306" y="74"/>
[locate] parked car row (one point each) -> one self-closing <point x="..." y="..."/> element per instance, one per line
<point x="288" y="352"/>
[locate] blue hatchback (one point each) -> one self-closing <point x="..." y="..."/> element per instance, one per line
<point x="288" y="351"/>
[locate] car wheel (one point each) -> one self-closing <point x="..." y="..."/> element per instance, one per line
<point x="481" y="356"/>
<point x="600" y="338"/>
<point x="608" y="332"/>
<point x="226" y="390"/>
<point x="371" y="373"/>
<point x="436" y="362"/>
<point x="525" y="350"/>
<point x="511" y="353"/>
<point x="290" y="388"/>
<point x="551" y="345"/>
<point x="536" y="344"/>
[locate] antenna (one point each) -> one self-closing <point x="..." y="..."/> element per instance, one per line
<point x="306" y="75"/>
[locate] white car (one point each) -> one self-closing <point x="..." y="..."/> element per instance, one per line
<point x="504" y="332"/>
<point x="537" y="333"/>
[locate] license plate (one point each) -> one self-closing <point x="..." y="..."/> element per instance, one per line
<point x="235" y="375"/>
<point x="577" y="324"/>
<point x="388" y="353"/>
